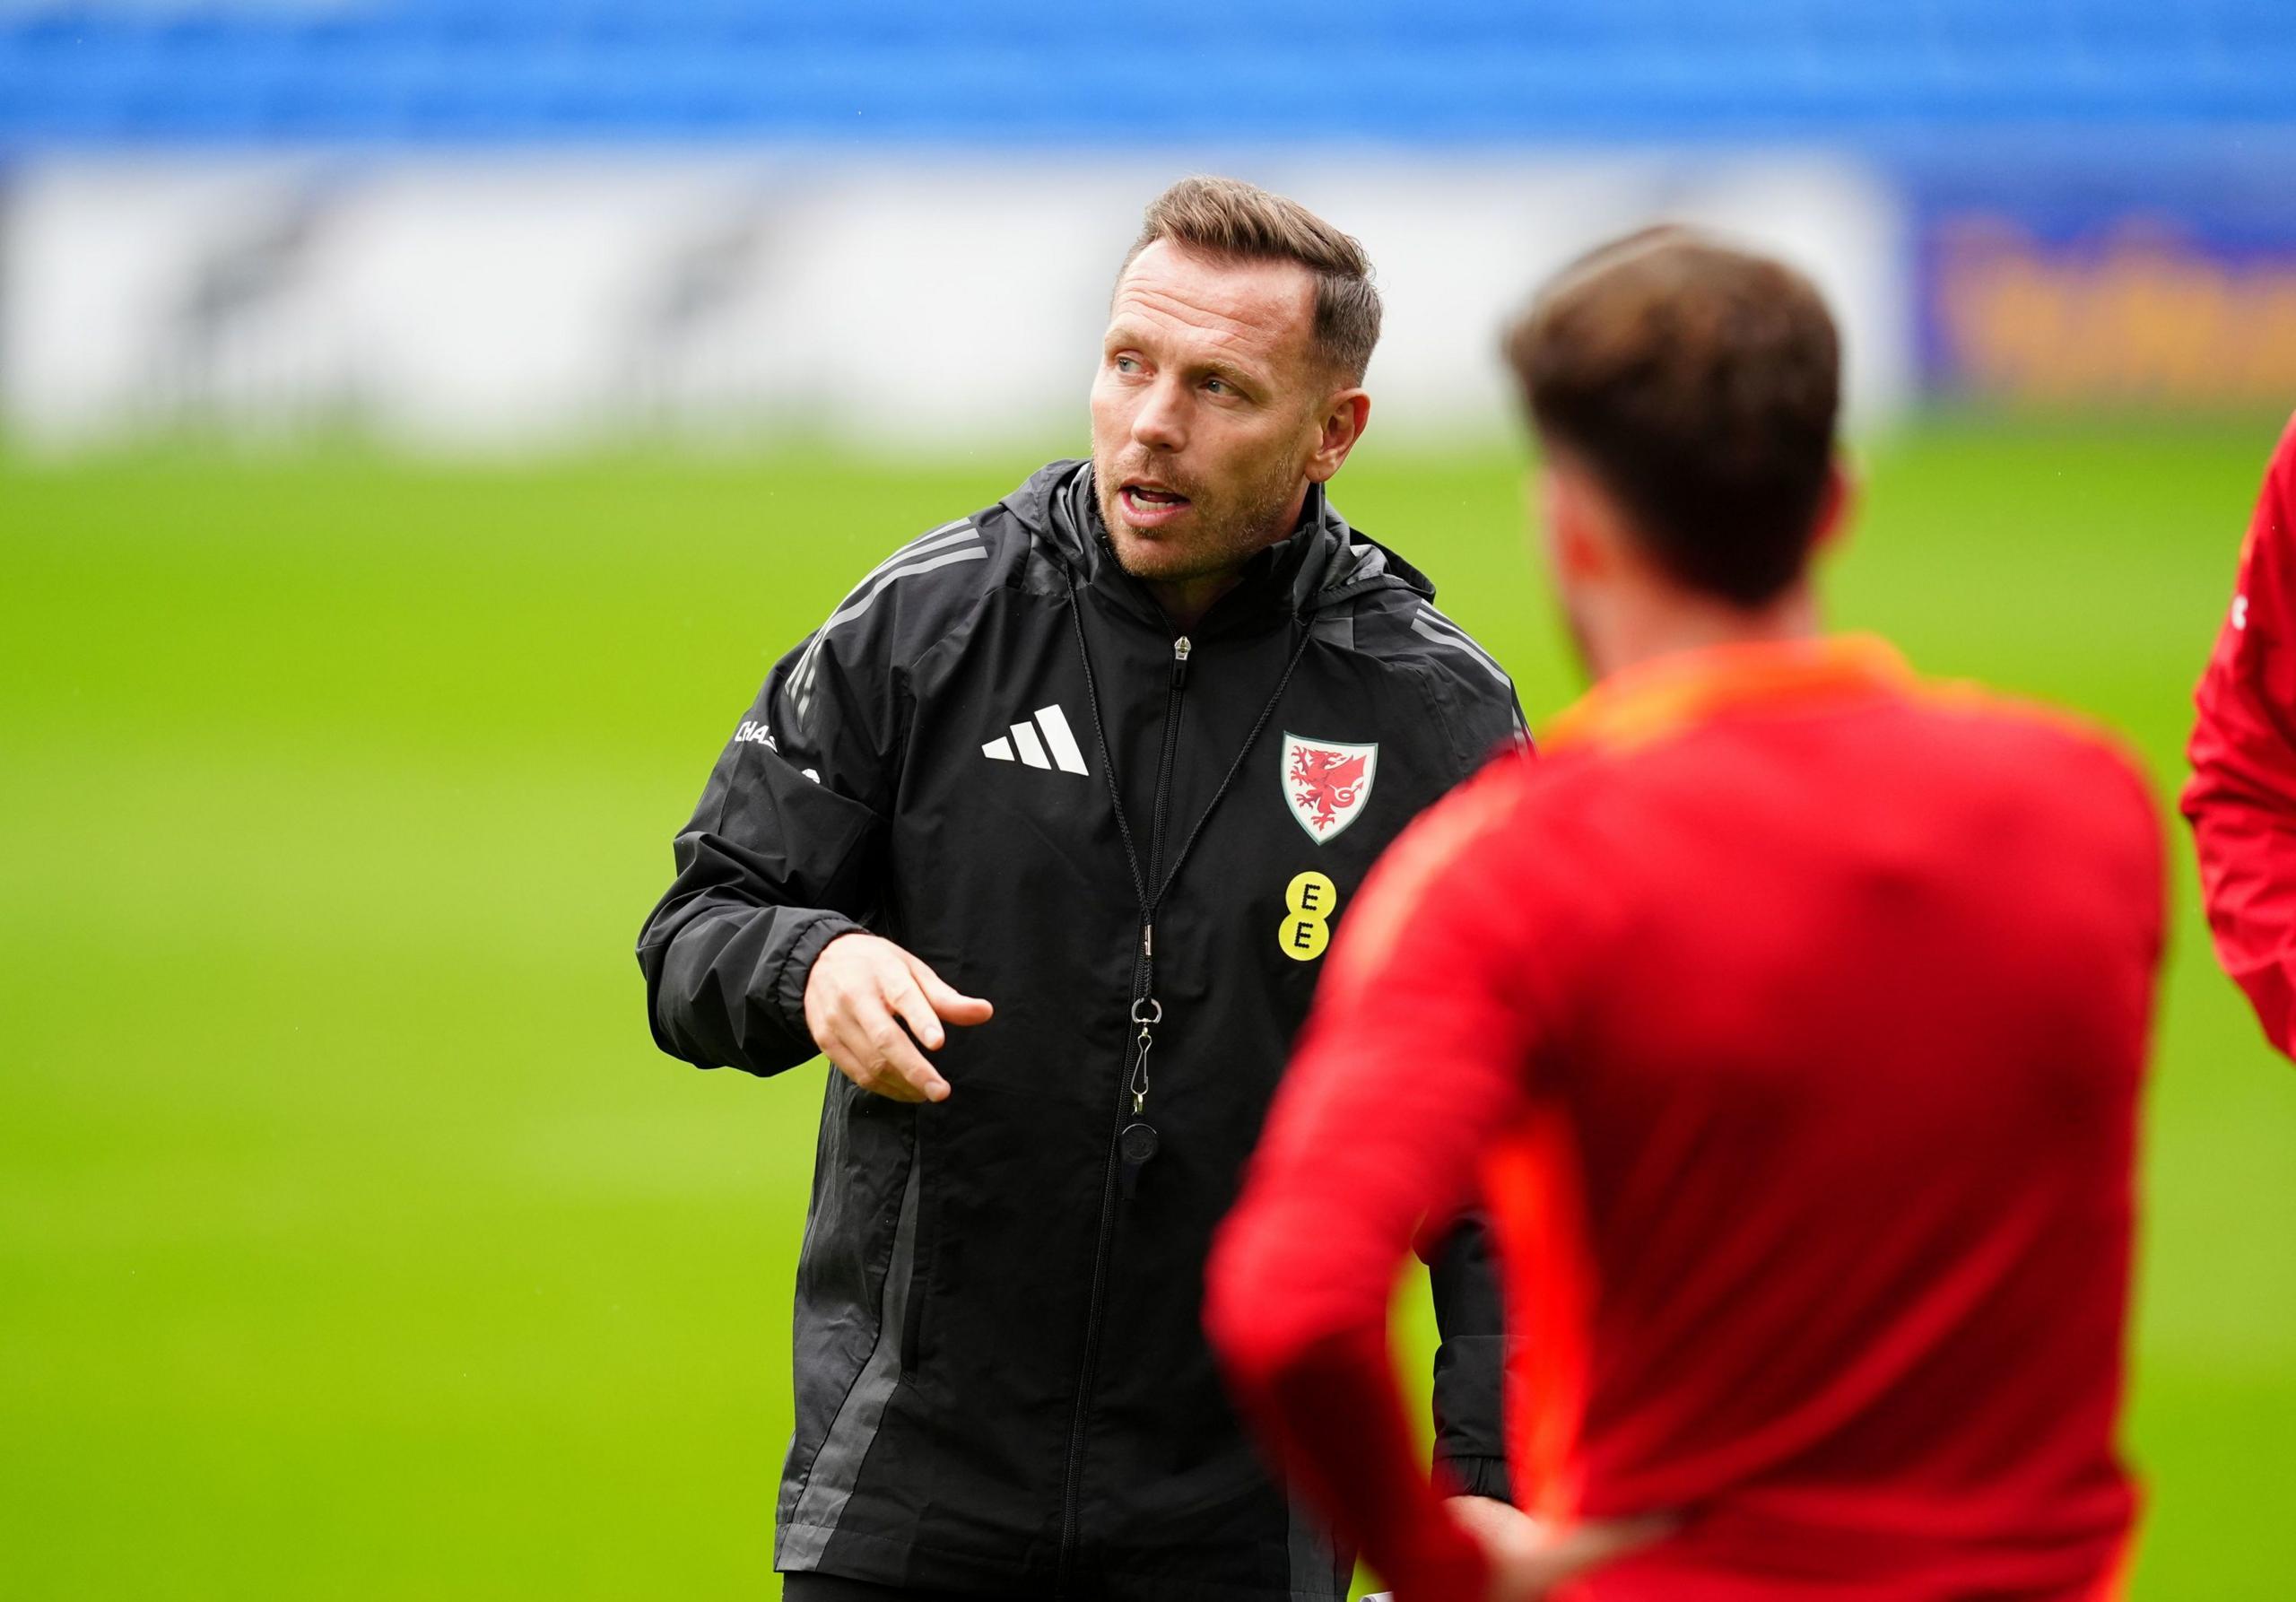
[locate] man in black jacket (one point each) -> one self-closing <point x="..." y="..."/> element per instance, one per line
<point x="1040" y="838"/>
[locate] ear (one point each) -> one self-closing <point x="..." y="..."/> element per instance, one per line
<point x="1574" y="526"/>
<point x="1345" y="417"/>
<point x="1836" y="504"/>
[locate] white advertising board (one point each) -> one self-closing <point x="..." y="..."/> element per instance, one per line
<point x="924" y="306"/>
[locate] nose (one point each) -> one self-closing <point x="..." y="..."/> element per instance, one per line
<point x="1161" y="422"/>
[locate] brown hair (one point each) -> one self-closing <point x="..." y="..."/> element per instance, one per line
<point x="1226" y="216"/>
<point x="1701" y="384"/>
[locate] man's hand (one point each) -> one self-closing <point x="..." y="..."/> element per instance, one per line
<point x="1529" y="1557"/>
<point x="861" y="991"/>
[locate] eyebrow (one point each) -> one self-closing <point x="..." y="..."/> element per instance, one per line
<point x="1120" y="334"/>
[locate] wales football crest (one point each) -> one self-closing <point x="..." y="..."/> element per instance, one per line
<point x="1326" y="783"/>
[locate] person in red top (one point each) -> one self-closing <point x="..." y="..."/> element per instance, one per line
<point x="1790" y="1013"/>
<point x="2242" y="797"/>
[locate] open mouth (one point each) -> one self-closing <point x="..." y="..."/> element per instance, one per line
<point x="1148" y="503"/>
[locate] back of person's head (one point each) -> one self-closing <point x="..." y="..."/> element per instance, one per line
<point x="1700" y="385"/>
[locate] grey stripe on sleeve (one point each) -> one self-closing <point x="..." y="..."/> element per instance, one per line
<point x="1465" y="639"/>
<point x="836" y="1466"/>
<point x="804" y="677"/>
<point x="1420" y="626"/>
<point x="931" y="539"/>
<point x="958" y="532"/>
<point x="973" y="552"/>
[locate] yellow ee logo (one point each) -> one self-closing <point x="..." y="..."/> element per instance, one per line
<point x="1311" y="898"/>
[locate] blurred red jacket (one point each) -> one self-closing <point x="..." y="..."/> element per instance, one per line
<point x="1792" y="1014"/>
<point x="2242" y="797"/>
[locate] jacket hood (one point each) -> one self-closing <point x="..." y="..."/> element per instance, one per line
<point x="1322" y="561"/>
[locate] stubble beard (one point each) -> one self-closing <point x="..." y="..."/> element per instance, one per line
<point x="1225" y="536"/>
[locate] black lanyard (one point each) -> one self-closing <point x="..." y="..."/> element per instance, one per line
<point x="1138" y="1141"/>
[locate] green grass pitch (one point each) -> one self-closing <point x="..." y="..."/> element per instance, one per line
<point x="354" y="1239"/>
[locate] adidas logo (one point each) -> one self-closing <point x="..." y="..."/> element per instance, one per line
<point x="1057" y="748"/>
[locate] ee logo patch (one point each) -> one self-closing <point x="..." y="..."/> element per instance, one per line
<point x="1310" y="898"/>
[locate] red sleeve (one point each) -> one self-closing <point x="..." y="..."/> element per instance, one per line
<point x="2242" y="796"/>
<point x="1413" y="1058"/>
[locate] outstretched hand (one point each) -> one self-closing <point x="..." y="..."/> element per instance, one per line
<point x="1529" y="1557"/>
<point x="862" y="991"/>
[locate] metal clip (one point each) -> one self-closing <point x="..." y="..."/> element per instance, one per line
<point x="1147" y="1012"/>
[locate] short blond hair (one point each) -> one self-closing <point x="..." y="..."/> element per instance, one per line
<point x="1226" y="216"/>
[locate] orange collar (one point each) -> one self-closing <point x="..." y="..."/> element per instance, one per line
<point x="1667" y="695"/>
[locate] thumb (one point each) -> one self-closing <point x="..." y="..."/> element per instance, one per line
<point x="950" y="1004"/>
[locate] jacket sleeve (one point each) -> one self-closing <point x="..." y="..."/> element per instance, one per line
<point x="2241" y="799"/>
<point x="1470" y="1365"/>
<point x="781" y="857"/>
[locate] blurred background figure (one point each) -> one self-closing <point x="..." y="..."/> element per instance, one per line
<point x="411" y="409"/>
<point x="2242" y="797"/>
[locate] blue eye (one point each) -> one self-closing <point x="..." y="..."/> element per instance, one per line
<point x="1217" y="386"/>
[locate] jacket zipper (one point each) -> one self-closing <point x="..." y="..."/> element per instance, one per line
<point x="1142" y="984"/>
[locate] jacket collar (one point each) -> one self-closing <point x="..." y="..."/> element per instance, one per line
<point x="1321" y="562"/>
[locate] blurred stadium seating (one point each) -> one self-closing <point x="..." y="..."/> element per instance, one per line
<point x="1877" y="72"/>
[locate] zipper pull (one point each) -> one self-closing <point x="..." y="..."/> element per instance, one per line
<point x="1180" y="650"/>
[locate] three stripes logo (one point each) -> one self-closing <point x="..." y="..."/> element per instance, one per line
<point x="1045" y="742"/>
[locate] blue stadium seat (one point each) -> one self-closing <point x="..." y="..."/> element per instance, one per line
<point x="1848" y="71"/>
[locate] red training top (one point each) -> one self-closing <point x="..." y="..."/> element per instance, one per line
<point x="2242" y="798"/>
<point x="1792" y="1015"/>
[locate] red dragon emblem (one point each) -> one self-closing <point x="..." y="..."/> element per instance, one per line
<point x="1327" y="784"/>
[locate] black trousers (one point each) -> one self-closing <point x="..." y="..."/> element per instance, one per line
<point x="830" y="1588"/>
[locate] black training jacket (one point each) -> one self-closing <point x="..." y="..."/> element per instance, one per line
<point x="1002" y="1385"/>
